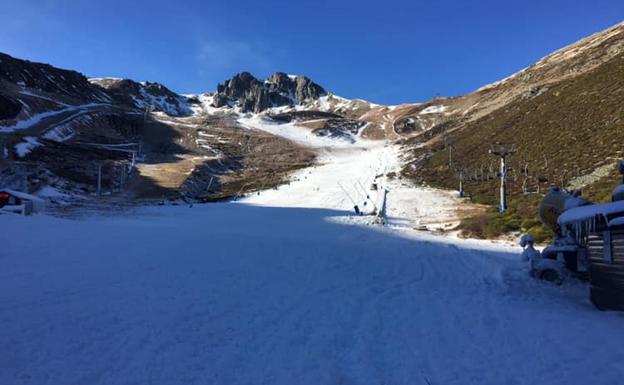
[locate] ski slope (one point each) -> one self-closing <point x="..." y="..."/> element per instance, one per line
<point x="343" y="178"/>
<point x="243" y="294"/>
<point x="288" y="287"/>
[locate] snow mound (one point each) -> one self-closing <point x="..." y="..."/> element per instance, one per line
<point x="24" y="148"/>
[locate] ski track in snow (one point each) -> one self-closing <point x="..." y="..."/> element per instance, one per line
<point x="252" y="293"/>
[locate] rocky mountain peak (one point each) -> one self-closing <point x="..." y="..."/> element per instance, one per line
<point x="279" y="89"/>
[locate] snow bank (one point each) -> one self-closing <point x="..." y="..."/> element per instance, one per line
<point x="25" y="147"/>
<point x="51" y="192"/>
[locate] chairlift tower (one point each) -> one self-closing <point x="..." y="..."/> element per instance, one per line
<point x="459" y="173"/>
<point x="503" y="151"/>
<point x="25" y="170"/>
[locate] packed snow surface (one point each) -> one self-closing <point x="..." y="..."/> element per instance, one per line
<point x="240" y="294"/>
<point x="287" y="286"/>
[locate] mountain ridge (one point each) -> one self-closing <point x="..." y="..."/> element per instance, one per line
<point x="41" y="103"/>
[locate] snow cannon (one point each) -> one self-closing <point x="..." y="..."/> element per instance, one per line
<point x="564" y="256"/>
<point x="565" y="249"/>
<point x="555" y="202"/>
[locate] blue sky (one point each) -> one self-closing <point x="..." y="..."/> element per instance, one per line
<point x="386" y="51"/>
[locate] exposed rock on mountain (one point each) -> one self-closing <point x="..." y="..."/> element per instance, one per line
<point x="144" y="95"/>
<point x="297" y="88"/>
<point x="253" y="95"/>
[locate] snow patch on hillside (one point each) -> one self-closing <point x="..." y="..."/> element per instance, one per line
<point x="26" y="123"/>
<point x="147" y="100"/>
<point x="293" y="132"/>
<point x="434" y="110"/>
<point x="24" y="148"/>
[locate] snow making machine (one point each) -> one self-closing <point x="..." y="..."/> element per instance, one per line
<point x="589" y="242"/>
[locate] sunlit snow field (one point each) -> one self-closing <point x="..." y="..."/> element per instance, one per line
<point x="289" y="287"/>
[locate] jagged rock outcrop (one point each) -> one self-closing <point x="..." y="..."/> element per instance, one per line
<point x="238" y="86"/>
<point x="220" y="100"/>
<point x="254" y="95"/>
<point x="297" y="88"/>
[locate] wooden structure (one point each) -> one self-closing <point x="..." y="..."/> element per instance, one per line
<point x="599" y="230"/>
<point x="606" y="268"/>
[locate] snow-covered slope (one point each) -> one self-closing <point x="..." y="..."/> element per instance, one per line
<point x="356" y="172"/>
<point x="241" y="294"/>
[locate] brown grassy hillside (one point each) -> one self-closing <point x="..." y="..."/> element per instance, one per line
<point x="565" y="114"/>
<point x="568" y="130"/>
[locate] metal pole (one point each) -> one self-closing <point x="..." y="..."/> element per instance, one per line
<point x="461" y="184"/>
<point x="25" y="181"/>
<point x="347" y="194"/>
<point x="503" y="151"/>
<point x="122" y="176"/>
<point x="503" y="172"/>
<point x="99" y="179"/>
<point x="450" y="156"/>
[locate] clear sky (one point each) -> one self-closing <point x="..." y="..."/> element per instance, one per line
<point x="385" y="51"/>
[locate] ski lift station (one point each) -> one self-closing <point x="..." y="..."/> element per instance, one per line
<point x="589" y="242"/>
<point x="20" y="202"/>
<point x="599" y="231"/>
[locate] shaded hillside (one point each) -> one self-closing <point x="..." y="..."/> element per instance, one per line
<point x="59" y="129"/>
<point x="66" y="85"/>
